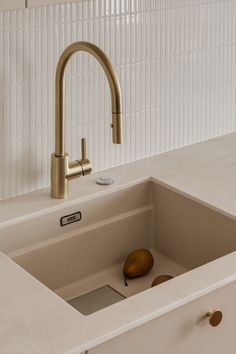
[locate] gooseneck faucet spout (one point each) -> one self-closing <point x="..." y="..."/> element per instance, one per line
<point x="61" y="169"/>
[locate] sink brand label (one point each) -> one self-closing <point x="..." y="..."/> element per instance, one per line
<point x="69" y="219"/>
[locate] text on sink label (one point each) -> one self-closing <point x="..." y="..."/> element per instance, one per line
<point x="69" y="219"/>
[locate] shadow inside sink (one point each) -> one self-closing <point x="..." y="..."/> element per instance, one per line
<point x="181" y="233"/>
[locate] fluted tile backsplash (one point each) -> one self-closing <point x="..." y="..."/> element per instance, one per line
<point x="176" y="61"/>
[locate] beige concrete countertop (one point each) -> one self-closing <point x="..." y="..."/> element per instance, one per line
<point x="204" y="171"/>
<point x="35" y="320"/>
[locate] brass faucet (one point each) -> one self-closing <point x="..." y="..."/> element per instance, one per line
<point x="61" y="169"/>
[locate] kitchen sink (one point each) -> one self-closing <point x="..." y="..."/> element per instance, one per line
<point x="82" y="257"/>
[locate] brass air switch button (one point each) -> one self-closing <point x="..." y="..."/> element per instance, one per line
<point x="215" y="317"/>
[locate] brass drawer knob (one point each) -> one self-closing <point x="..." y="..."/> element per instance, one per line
<point x="215" y="317"/>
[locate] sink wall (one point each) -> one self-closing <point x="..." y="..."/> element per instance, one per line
<point x="189" y="232"/>
<point x="43" y="226"/>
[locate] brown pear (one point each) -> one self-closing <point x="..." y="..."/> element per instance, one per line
<point x="138" y="263"/>
<point x="161" y="279"/>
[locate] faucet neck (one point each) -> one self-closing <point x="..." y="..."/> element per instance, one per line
<point x="114" y="88"/>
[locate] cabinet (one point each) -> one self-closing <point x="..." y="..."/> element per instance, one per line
<point x="11" y="4"/>
<point x="17" y="4"/>
<point x="184" y="330"/>
<point x="34" y="3"/>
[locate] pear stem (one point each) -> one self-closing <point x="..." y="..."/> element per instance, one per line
<point x="125" y="279"/>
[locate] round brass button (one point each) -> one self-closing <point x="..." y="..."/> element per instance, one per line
<point x="215" y="317"/>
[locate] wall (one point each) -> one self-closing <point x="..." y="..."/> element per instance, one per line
<point x="175" y="60"/>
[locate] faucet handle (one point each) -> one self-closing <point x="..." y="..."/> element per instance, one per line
<point x="84" y="162"/>
<point x="83" y="149"/>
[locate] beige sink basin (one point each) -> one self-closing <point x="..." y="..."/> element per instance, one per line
<point x="76" y="259"/>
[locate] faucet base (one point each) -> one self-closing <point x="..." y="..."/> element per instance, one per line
<point x="62" y="171"/>
<point x="59" y="182"/>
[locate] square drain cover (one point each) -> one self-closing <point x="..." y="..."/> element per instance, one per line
<point x="96" y="300"/>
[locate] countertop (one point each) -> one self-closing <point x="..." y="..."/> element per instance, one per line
<point x="35" y="320"/>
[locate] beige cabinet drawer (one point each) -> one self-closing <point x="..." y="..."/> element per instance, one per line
<point x="11" y="4"/>
<point x="34" y="3"/>
<point x="184" y="330"/>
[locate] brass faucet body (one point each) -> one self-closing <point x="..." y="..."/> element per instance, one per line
<point x="61" y="169"/>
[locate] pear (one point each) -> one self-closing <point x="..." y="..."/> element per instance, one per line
<point x="138" y="263"/>
<point x="161" y="279"/>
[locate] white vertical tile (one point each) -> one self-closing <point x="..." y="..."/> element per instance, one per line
<point x="175" y="61"/>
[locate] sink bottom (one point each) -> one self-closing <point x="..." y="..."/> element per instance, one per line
<point x="107" y="287"/>
<point x="96" y="300"/>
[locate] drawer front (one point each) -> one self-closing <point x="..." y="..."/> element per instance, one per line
<point x="11" y="4"/>
<point x="34" y="3"/>
<point x="184" y="330"/>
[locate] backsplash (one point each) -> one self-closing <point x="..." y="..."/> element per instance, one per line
<point x="176" y="64"/>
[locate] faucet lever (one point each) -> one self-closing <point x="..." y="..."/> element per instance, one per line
<point x="84" y="162"/>
<point x="83" y="149"/>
